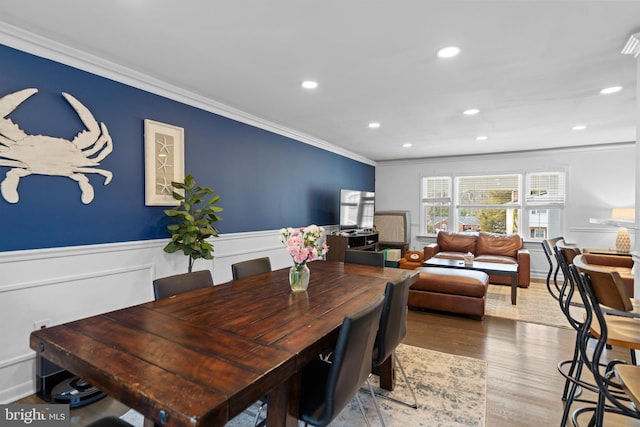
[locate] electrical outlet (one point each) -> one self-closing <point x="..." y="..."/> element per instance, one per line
<point x="41" y="324"/>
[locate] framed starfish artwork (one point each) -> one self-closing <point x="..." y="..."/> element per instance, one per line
<point x="164" y="162"/>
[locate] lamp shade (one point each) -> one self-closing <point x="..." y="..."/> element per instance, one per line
<point x="623" y="213"/>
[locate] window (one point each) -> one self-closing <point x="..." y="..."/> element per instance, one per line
<point x="436" y="202"/>
<point x="538" y="233"/>
<point x="493" y="203"/>
<point x="545" y="199"/>
<point x="488" y="203"/>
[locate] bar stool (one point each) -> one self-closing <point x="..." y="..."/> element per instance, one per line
<point x="603" y="288"/>
<point x="548" y="247"/>
<point x="571" y="369"/>
<point x="629" y="378"/>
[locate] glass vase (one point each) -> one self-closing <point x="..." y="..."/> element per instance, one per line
<point x="299" y="278"/>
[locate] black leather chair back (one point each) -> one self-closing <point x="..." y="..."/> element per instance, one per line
<point x="364" y="257"/>
<point x="323" y="396"/>
<point x="110" y="421"/>
<point x="180" y="283"/>
<point x="393" y="321"/>
<point x="250" y="267"/>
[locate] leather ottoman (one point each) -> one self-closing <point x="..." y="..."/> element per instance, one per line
<point x="448" y="289"/>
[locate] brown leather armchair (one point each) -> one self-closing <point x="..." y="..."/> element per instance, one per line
<point x="411" y="260"/>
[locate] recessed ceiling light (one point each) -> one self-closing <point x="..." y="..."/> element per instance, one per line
<point x="579" y="127"/>
<point x="448" y="52"/>
<point x="471" y="111"/>
<point x="407" y="145"/>
<point x="374" y="125"/>
<point x="612" y="89"/>
<point x="482" y="138"/>
<point x="309" y="84"/>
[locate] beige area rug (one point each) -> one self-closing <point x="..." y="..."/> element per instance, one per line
<point x="451" y="392"/>
<point x="534" y="305"/>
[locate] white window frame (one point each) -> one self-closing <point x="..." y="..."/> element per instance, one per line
<point x="493" y="180"/>
<point x="554" y="200"/>
<point x="526" y="200"/>
<point x="442" y="200"/>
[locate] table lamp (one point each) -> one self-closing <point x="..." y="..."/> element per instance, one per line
<point x="623" y="240"/>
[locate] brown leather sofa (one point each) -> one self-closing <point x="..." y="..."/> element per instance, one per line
<point x="488" y="247"/>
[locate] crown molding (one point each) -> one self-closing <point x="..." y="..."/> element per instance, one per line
<point x="633" y="46"/>
<point x="510" y="154"/>
<point x="29" y="42"/>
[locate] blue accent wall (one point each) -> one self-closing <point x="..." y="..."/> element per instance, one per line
<point x="265" y="180"/>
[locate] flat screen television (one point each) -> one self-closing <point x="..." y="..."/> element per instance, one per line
<point x="356" y="209"/>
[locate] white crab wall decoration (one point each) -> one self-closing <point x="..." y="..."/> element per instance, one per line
<point x="47" y="155"/>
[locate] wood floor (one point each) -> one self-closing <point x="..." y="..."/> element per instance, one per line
<point x="523" y="385"/>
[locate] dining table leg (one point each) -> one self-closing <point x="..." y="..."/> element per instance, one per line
<point x="283" y="402"/>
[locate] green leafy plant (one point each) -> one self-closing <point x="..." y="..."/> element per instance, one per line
<point x="195" y="217"/>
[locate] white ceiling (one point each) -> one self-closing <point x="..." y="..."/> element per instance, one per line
<point x="533" y="68"/>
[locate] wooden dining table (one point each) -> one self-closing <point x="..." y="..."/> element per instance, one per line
<point x="202" y="357"/>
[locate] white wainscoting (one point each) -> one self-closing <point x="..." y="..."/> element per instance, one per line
<point x="63" y="284"/>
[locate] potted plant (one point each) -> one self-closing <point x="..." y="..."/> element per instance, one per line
<point x="195" y="217"/>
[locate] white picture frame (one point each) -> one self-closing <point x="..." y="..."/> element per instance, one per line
<point x="164" y="162"/>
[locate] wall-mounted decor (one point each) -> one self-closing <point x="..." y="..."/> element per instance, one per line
<point x="48" y="155"/>
<point x="164" y="162"/>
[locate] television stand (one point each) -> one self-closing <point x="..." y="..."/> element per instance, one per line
<point x="360" y="241"/>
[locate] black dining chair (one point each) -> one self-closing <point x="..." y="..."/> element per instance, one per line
<point x="604" y="288"/>
<point x="392" y="330"/>
<point x="180" y="283"/>
<point x="109" y="421"/>
<point x="327" y="387"/>
<point x="364" y="257"/>
<point x="250" y="267"/>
